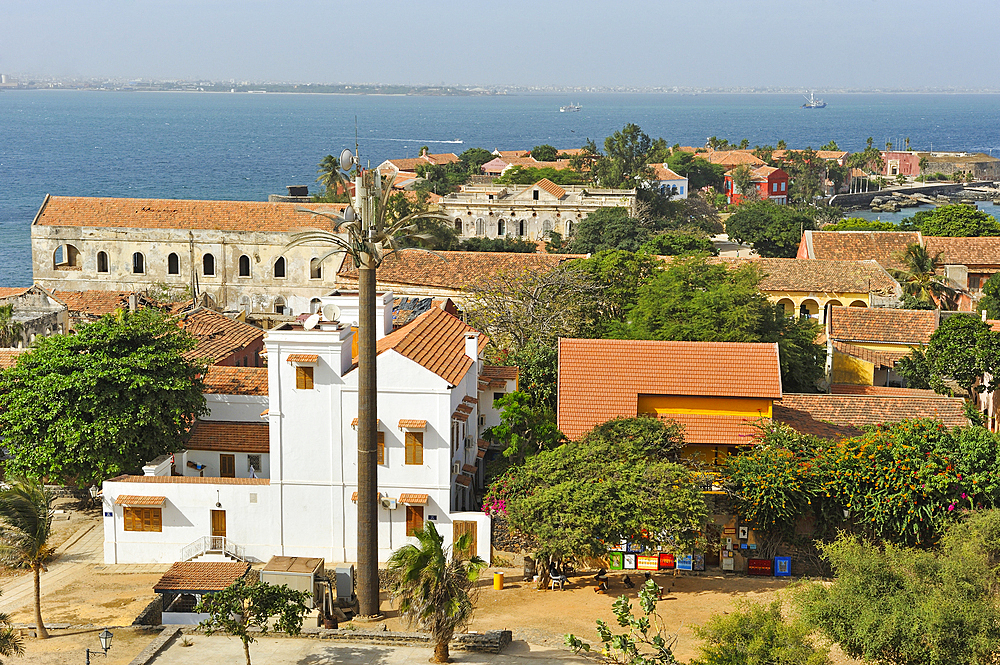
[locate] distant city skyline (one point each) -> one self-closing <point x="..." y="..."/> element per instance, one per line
<point x="725" y="44"/>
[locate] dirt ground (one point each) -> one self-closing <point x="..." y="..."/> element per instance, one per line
<point x="69" y="646"/>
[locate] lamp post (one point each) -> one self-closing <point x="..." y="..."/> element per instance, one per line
<point x="105" y="637"/>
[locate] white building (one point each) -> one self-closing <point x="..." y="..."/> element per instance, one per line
<point x="435" y="397"/>
<point x="669" y="182"/>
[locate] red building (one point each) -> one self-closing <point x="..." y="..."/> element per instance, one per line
<point x="771" y="184"/>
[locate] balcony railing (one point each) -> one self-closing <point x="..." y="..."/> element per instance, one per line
<point x="213" y="545"/>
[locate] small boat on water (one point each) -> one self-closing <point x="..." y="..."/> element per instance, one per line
<point x="813" y="103"/>
<point x="570" y="108"/>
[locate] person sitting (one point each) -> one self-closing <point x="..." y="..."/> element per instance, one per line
<point x="602" y="575"/>
<point x="602" y="587"/>
<point x="628" y="583"/>
<point x="558" y="577"/>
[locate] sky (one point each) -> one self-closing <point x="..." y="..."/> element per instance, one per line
<point x="815" y="44"/>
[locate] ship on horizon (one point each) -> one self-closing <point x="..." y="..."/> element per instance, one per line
<point x="813" y="103"/>
<point x="570" y="108"/>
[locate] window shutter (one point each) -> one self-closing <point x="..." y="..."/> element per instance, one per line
<point x="304" y="378"/>
<point x="414" y="447"/>
<point x="381" y="447"/>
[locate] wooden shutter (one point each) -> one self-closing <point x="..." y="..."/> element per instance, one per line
<point x="227" y="466"/>
<point x="381" y="447"/>
<point x="304" y="378"/>
<point x="414" y="447"/>
<point x="459" y="529"/>
<point x="127" y="514"/>
<point x="414" y="519"/>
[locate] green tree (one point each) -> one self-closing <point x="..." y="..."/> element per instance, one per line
<point x="832" y="145"/>
<point x="962" y="350"/>
<point x="869" y="159"/>
<point x="83" y="408"/>
<point x="625" y="160"/>
<point x="699" y="171"/>
<point x="920" y="278"/>
<point x="473" y="160"/>
<point x="536" y="371"/>
<point x="990" y="300"/>
<point x="524" y="429"/>
<point x="329" y="170"/>
<point x="781" y="145"/>
<point x="743" y="183"/>
<point x="608" y="228"/>
<point x="859" y="224"/>
<point x="806" y="172"/>
<point x="897" y="606"/>
<point x="773" y="230"/>
<point x="757" y="633"/>
<point x="529" y="175"/>
<point x="544" y="153"/>
<point x="432" y="589"/>
<point x="577" y="498"/>
<point x="504" y="244"/>
<point x="25" y="529"/>
<point x="11" y="642"/>
<point x="618" y="275"/>
<point x="10" y="330"/>
<point x="959" y="220"/>
<point x="248" y="609"/>
<point x="643" y="644"/>
<point x="914" y="369"/>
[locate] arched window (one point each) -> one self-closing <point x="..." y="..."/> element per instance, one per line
<point x="66" y="257"/>
<point x="314" y="305"/>
<point x="244" y="266"/>
<point x="102" y="262"/>
<point x="279" y="267"/>
<point x="520" y="228"/>
<point x="173" y="264"/>
<point x="547" y="226"/>
<point x="138" y="263"/>
<point x="458" y="226"/>
<point x="208" y="265"/>
<point x="501" y="228"/>
<point x="279" y="305"/>
<point x="315" y="269"/>
<point x="569" y="228"/>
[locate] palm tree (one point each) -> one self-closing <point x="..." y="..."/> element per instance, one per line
<point x="920" y="279"/>
<point x="25" y="527"/>
<point x="329" y="174"/>
<point x="432" y="589"/>
<point x="11" y="643"/>
<point x="368" y="240"/>
<point x="10" y="330"/>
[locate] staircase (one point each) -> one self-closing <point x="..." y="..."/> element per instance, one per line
<point x="213" y="548"/>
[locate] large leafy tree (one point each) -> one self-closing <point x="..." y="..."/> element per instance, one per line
<point x="698" y="170"/>
<point x="474" y="158"/>
<point x="524" y="429"/>
<point x="626" y="159"/>
<point x="990" y="300"/>
<point x="25" y="529"/>
<point x="961" y="351"/>
<point x="522" y="175"/>
<point x="432" y="585"/>
<point x="610" y="485"/>
<point x="892" y="605"/>
<point x="248" y="609"/>
<point x="919" y="278"/>
<point x="619" y="274"/>
<point x="679" y="244"/>
<point x="806" y="172"/>
<point x="959" y="220"/>
<point x="608" y="228"/>
<point x="83" y="408"/>
<point x="773" y="230"/>
<point x="544" y="153"/>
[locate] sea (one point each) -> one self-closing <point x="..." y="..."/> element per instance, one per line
<point x="241" y="146"/>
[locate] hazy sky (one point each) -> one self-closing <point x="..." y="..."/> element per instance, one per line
<point x="811" y="43"/>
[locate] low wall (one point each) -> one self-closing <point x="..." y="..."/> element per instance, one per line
<point x="864" y="199"/>
<point x="492" y="641"/>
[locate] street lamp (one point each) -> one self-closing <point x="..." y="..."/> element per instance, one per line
<point x="105" y="637"/>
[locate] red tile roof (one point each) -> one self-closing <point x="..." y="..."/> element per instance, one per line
<point x="201" y="575"/>
<point x="715" y="429"/>
<point x="413" y="499"/>
<point x="133" y="500"/>
<point x="602" y="379"/>
<point x="92" y="302"/>
<point x="218" y="336"/>
<point x="227" y="436"/>
<point x="436" y="341"/>
<point x="849" y="389"/>
<point x="505" y="372"/>
<point x="456" y="271"/>
<point x="731" y="158"/>
<point x="802" y="411"/>
<point x="551" y="187"/>
<point x="221" y="380"/>
<point x="237" y="216"/>
<point x="663" y="172"/>
<point x="189" y="480"/>
<point x="984" y="251"/>
<point x="412" y="424"/>
<point x="303" y="358"/>
<point x="9" y="356"/>
<point x="877" y="358"/>
<point x="9" y="291"/>
<point x="820" y="275"/>
<point x="880" y="325"/>
<point x="881" y="246"/>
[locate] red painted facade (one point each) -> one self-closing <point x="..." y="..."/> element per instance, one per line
<point x="772" y="185"/>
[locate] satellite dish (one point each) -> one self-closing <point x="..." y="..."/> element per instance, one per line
<point x="311" y="322"/>
<point x="347" y="160"/>
<point x="331" y="312"/>
<point x="349" y="214"/>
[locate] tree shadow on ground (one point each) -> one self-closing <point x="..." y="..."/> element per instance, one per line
<point x="343" y="654"/>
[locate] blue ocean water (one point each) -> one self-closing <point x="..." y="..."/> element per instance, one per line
<point x="246" y="146"/>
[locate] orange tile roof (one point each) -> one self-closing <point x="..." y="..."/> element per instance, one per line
<point x="732" y="158"/>
<point x="218" y="336"/>
<point x="819" y="275"/>
<point x="468" y="468"/>
<point x="378" y="422"/>
<point x="93" y="302"/>
<point x="201" y="575"/>
<point x="411" y="163"/>
<point x="849" y="389"/>
<point x="469" y="399"/>
<point x="413" y="499"/>
<point x="412" y="424"/>
<point x="882" y="325"/>
<point x="436" y="341"/>
<point x="715" y="429"/>
<point x="601" y="379"/>
<point x="463" y="480"/>
<point x="983" y="251"/>
<point x="227" y="436"/>
<point x="220" y="380"/>
<point x="877" y="358"/>
<point x="881" y="246"/>
<point x="103" y="212"/>
<point x="189" y="480"/>
<point x="133" y="500"/>
<point x="506" y="372"/>
<point x="457" y="271"/>
<point x="551" y="187"/>
<point x="303" y="358"/>
<point x="855" y="411"/>
<point x="8" y="357"/>
<point x="663" y="172"/>
<point x="9" y="291"/>
<point x="511" y="154"/>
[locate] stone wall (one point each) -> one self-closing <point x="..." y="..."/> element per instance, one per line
<point x="152" y="615"/>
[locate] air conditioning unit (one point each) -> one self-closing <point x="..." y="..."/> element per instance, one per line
<point x="456" y="468"/>
<point x="389" y="503"/>
<point x="469" y="443"/>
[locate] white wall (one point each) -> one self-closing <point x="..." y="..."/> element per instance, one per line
<point x="236" y="408"/>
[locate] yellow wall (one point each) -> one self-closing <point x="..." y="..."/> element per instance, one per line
<point x="716" y="406"/>
<point x="704" y="454"/>
<point x="848" y="369"/>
